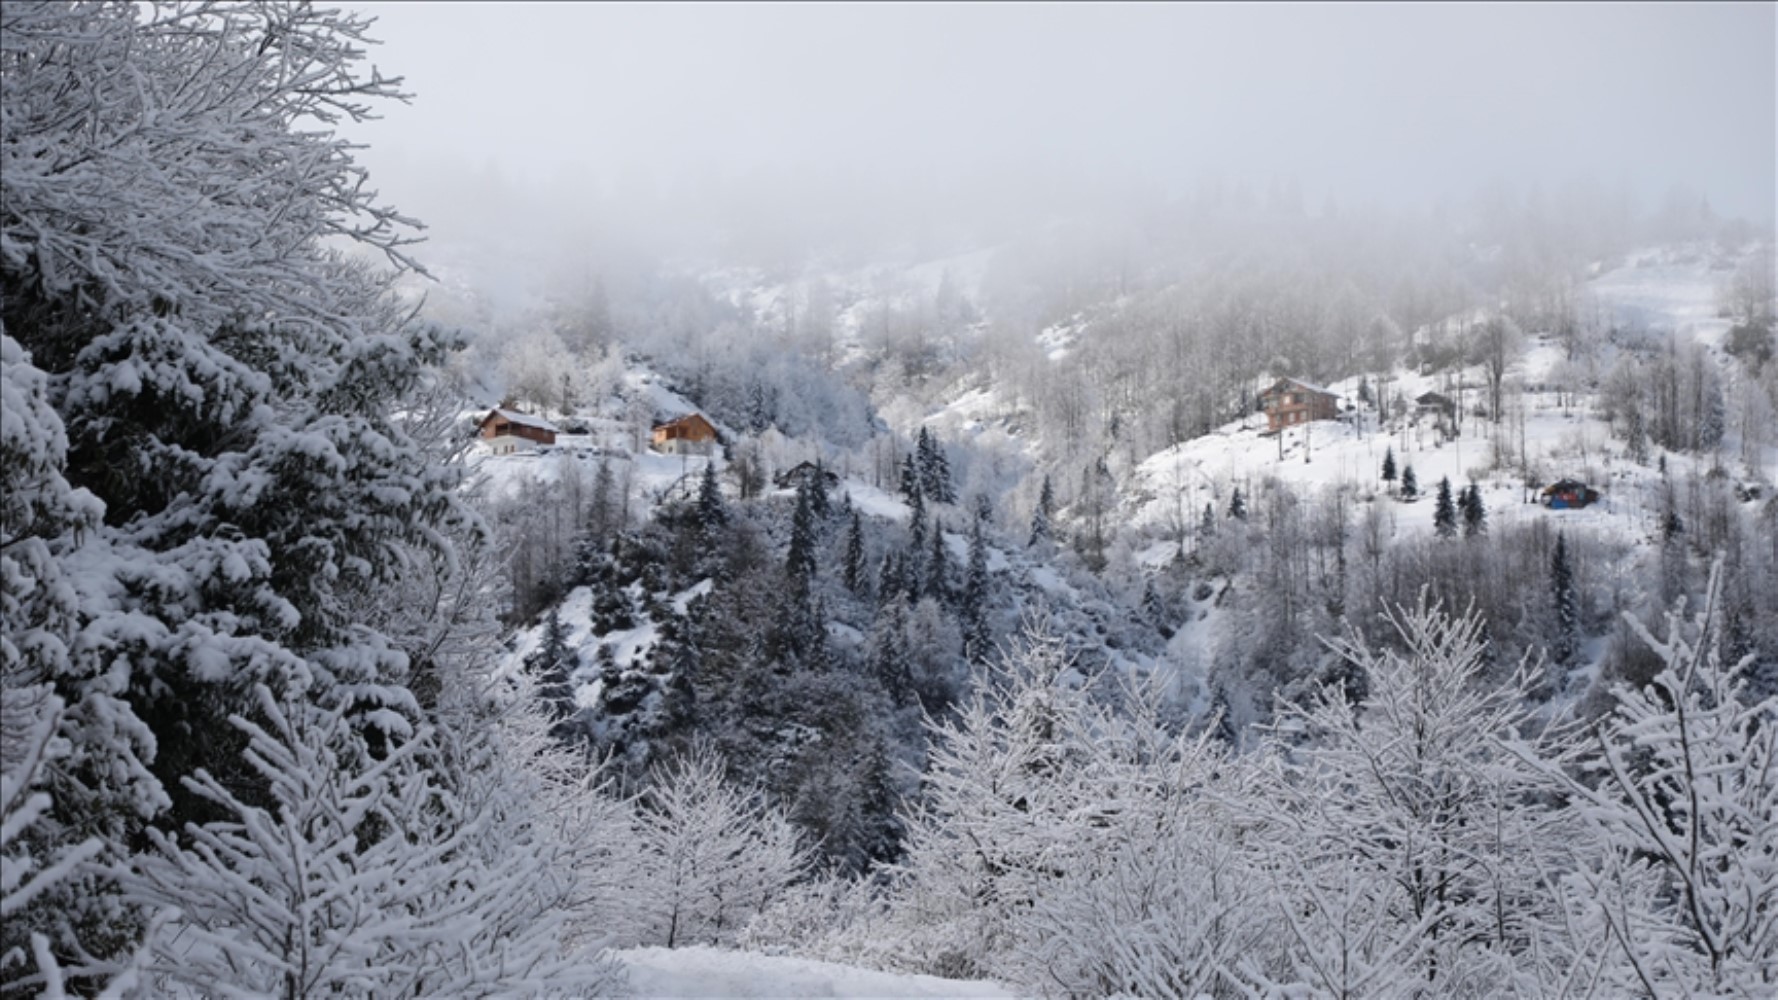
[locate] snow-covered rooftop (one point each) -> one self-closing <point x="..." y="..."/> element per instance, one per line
<point x="524" y="419"/>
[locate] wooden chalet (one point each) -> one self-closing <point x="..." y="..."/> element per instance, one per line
<point x="507" y="431"/>
<point x="1568" y="493"/>
<point x="794" y="477"/>
<point x="1290" y="402"/>
<point x="1436" y="404"/>
<point x="691" y="434"/>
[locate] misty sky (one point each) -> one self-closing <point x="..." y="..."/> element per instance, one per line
<point x="1383" y="102"/>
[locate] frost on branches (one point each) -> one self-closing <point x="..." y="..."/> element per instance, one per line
<point x="209" y="493"/>
<point x="1684" y="792"/>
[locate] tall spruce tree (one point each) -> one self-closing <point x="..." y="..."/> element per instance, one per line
<point x="712" y="513"/>
<point x="552" y="663"/>
<point x="938" y="567"/>
<point x="1444" y="515"/>
<point x="856" y="575"/>
<point x="974" y="600"/>
<point x="1563" y="600"/>
<point x="1389" y="464"/>
<point x="912" y="489"/>
<point x="1410" y="484"/>
<point x="1041" y="531"/>
<point x="1475" y="515"/>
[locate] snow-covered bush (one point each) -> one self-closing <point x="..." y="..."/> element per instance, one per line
<point x="362" y="874"/>
<point x="714" y="855"/>
<point x="1071" y="845"/>
<point x="1683" y="791"/>
<point x="1410" y="838"/>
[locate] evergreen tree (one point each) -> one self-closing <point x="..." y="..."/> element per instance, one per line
<point x="552" y="663"/>
<point x="1207" y="523"/>
<point x="603" y="517"/>
<point x="1562" y="596"/>
<point x="800" y="563"/>
<point x="712" y="513"/>
<point x="1238" y="505"/>
<point x="891" y="581"/>
<point x="1475" y="516"/>
<point x="612" y="611"/>
<point x="934" y="469"/>
<point x="1410" y="484"/>
<point x="1154" y="611"/>
<point x="889" y="659"/>
<point x="912" y="492"/>
<point x="820" y="503"/>
<point x="1444" y="515"/>
<point x="1389" y="465"/>
<point x="938" y="567"/>
<point x="1040" y="518"/>
<point x="913" y="564"/>
<point x="974" y="610"/>
<point x="855" y="575"/>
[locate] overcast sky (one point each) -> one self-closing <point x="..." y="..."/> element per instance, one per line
<point x="1380" y="102"/>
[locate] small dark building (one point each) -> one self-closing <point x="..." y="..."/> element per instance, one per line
<point x="1566" y="493"/>
<point x="795" y="476"/>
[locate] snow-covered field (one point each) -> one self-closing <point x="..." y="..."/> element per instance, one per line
<point x="711" y="972"/>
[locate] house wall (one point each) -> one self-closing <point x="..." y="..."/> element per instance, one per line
<point x="1313" y="407"/>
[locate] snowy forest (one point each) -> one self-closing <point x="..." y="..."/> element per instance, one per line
<point x="1004" y="641"/>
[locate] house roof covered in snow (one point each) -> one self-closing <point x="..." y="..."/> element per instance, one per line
<point x="1299" y="383"/>
<point x="523" y="419"/>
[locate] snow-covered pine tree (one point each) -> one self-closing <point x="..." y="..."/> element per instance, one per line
<point x="1475" y="515"/>
<point x="712" y="513"/>
<point x="228" y="387"/>
<point x="1444" y="513"/>
<point x="800" y="562"/>
<point x="553" y="663"/>
<point x="973" y="611"/>
<point x="1389" y="464"/>
<point x="1041" y="533"/>
<point x="1410" y="483"/>
<point x="938" y="566"/>
<point x="913" y="490"/>
<point x="1562" y="598"/>
<point x="1237" y="505"/>
<point x="855" y="574"/>
<point x="935" y="469"/>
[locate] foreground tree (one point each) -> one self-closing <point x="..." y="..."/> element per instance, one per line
<point x="363" y="874"/>
<point x="1413" y="845"/>
<point x="1684" y="792"/>
<point x="713" y="853"/>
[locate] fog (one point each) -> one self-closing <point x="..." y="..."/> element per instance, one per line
<point x="664" y="127"/>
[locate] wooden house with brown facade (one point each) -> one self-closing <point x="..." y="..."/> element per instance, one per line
<point x="507" y="431"/>
<point x="1291" y="402"/>
<point x="691" y="434"/>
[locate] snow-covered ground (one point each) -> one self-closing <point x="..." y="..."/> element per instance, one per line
<point x="711" y="972"/>
<point x="1658" y="291"/>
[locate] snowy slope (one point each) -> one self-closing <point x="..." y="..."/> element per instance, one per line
<point x="1656" y="292"/>
<point x="710" y="972"/>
